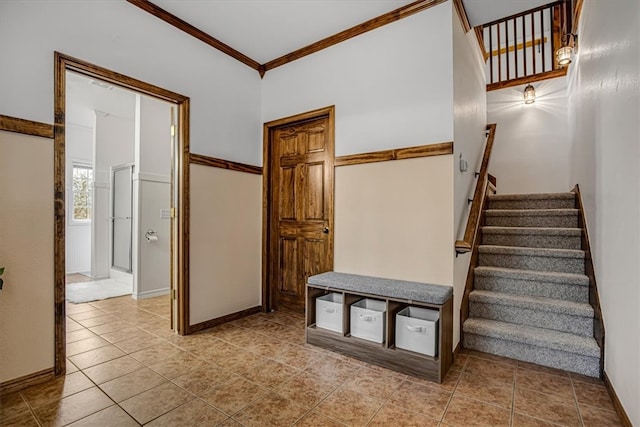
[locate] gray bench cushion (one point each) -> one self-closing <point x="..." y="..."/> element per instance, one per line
<point x="401" y="289"/>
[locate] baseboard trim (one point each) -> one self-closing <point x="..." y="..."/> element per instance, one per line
<point x="224" y="319"/>
<point x="624" y="418"/>
<point x="151" y="294"/>
<point x="25" y="381"/>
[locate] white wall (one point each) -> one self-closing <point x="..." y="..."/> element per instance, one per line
<point x="225" y="94"/>
<point x="392" y="87"/>
<point x="78" y="148"/>
<point x="532" y="148"/>
<point x="26" y="249"/>
<point x="226" y="250"/>
<point x="394" y="219"/>
<point x="604" y="112"/>
<point x="469" y="126"/>
<point x="114" y="146"/>
<point x="152" y="192"/>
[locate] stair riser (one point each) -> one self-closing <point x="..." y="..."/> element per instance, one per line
<point x="533" y="241"/>
<point x="525" y="316"/>
<point x="584" y="365"/>
<point x="536" y="289"/>
<point x="537" y="263"/>
<point x="533" y="204"/>
<point x="562" y="221"/>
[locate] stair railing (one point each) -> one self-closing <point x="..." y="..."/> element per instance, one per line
<point x="466" y="244"/>
<point x="521" y="48"/>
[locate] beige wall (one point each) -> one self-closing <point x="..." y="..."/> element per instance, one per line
<point x="395" y="219"/>
<point x="225" y="242"/>
<point x="26" y="250"/>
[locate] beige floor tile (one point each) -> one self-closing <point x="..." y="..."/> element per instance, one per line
<point x="520" y="420"/>
<point x="460" y="362"/>
<point x="376" y="383"/>
<point x="314" y="419"/>
<point x="86" y="344"/>
<point x="349" y="407"/>
<point x="584" y="379"/>
<point x="540" y="368"/>
<point x="194" y="413"/>
<point x="113" y="416"/>
<point x="25" y="420"/>
<point x="178" y="365"/>
<point x="391" y="415"/>
<point x="119" y="335"/>
<point x="306" y="389"/>
<point x="96" y="321"/>
<point x="491" y="368"/>
<point x="593" y="395"/>
<point x="271" y="410"/>
<point x="334" y="369"/>
<point x="271" y="374"/>
<point x="157" y="353"/>
<point x="485" y="389"/>
<point x="78" y="308"/>
<point x="153" y="403"/>
<point x="449" y="383"/>
<point x="110" y="327"/>
<point x="203" y="380"/>
<point x="131" y="384"/>
<point x="546" y="407"/>
<point x="138" y="343"/>
<point x="112" y="369"/>
<point x="428" y="401"/>
<point x="488" y="356"/>
<point x="96" y="357"/>
<point x="464" y="412"/>
<point x="70" y="367"/>
<point x="229" y="422"/>
<point x="232" y="396"/>
<point x="72" y="408"/>
<point x="71" y="325"/>
<point x="598" y="417"/>
<point x="298" y="357"/>
<point x="544" y="382"/>
<point x="87" y="314"/>
<point x="56" y="389"/>
<point x="78" y="335"/>
<point x="11" y="406"/>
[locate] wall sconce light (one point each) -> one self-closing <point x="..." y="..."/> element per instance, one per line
<point x="529" y="94"/>
<point x="564" y="55"/>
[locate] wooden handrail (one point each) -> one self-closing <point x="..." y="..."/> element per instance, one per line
<point x="466" y="244"/>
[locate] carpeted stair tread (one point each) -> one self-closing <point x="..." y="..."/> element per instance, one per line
<point x="539" y="337"/>
<point x="531" y="212"/>
<point x="540" y="276"/>
<point x="535" y="196"/>
<point x="549" y="305"/>
<point x="536" y="231"/>
<point x="537" y="252"/>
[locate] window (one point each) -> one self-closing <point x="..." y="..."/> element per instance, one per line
<point x="82" y="185"/>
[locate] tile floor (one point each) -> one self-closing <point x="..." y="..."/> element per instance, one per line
<point x="125" y="368"/>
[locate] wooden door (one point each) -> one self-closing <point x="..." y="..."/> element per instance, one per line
<point x="300" y="205"/>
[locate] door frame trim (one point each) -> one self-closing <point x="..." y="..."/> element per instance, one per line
<point x="267" y="297"/>
<point x="62" y="64"/>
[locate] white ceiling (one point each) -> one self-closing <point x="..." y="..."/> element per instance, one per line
<point x="483" y="11"/>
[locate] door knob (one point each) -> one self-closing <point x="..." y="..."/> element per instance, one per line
<point x="325" y="230"/>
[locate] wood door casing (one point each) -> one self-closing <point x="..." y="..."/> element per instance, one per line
<point x="300" y="205"/>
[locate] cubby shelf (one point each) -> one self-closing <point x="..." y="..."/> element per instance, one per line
<point x="385" y="354"/>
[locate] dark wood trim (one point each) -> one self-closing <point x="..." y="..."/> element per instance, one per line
<point x="329" y="112"/>
<point x="201" y="159"/>
<point x="439" y="149"/>
<point x="624" y="418"/>
<point x="182" y="25"/>
<point x="62" y="64"/>
<point x="26" y="127"/>
<point x="594" y="297"/>
<point x="462" y="14"/>
<point x="560" y="72"/>
<point x="23" y="382"/>
<point x="471" y="231"/>
<point x="224" y="319"/>
<point x="577" y="12"/>
<point x="523" y="13"/>
<point x="492" y="180"/>
<point x="372" y="24"/>
<point x="480" y="38"/>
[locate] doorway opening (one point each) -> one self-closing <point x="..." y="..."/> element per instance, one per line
<point x="131" y="203"/>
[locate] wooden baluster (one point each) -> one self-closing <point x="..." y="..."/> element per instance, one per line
<point x="506" y="50"/>
<point x="542" y="39"/>
<point x="533" y="44"/>
<point x="524" y="46"/>
<point x="515" y="44"/>
<point x="499" y="55"/>
<point x="491" y="51"/>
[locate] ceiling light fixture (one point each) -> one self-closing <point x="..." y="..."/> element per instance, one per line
<point x="529" y="94"/>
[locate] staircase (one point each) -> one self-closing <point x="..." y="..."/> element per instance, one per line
<point x="531" y="297"/>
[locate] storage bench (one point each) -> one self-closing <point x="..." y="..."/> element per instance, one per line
<point x="397" y="296"/>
